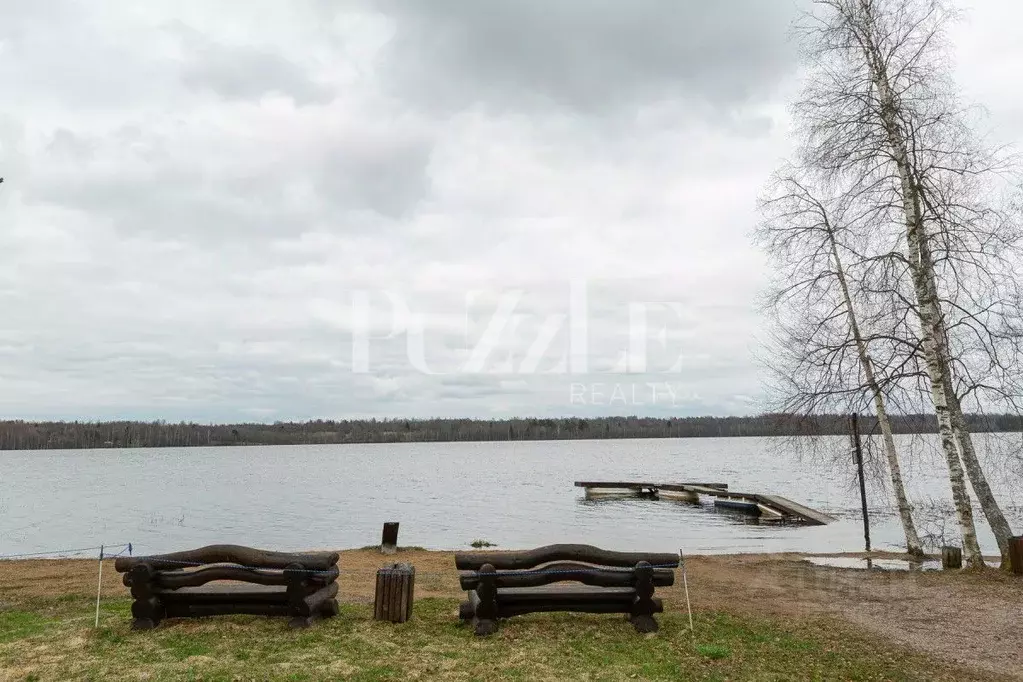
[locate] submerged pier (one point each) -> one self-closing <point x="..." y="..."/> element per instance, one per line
<point x="767" y="507"/>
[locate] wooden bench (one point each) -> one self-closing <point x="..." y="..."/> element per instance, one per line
<point x="505" y="584"/>
<point x="302" y="586"/>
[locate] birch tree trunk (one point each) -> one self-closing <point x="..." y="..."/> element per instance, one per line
<point x="978" y="480"/>
<point x="929" y="311"/>
<point x="992" y="511"/>
<point x="939" y="396"/>
<point x="913" y="545"/>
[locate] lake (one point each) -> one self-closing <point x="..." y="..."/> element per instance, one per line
<point x="514" y="494"/>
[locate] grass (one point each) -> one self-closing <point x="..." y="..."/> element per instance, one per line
<point x="54" y="640"/>
<point x="16" y="625"/>
<point x="480" y="544"/>
<point x="713" y="651"/>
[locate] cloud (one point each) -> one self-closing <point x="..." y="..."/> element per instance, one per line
<point x="589" y="55"/>
<point x="240" y="177"/>
<point x="245" y="72"/>
<point x="195" y="193"/>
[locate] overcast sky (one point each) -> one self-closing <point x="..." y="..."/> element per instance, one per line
<point x="196" y="193"/>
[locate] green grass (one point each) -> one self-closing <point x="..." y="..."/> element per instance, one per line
<point x="713" y="650"/>
<point x="16" y="625"/>
<point x="62" y="644"/>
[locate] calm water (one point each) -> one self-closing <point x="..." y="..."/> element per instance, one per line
<point x="444" y="494"/>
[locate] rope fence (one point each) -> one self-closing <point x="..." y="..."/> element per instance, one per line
<point x="67" y="553"/>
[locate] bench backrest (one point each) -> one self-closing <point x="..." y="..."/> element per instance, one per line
<point x="555" y="563"/>
<point x="233" y="562"/>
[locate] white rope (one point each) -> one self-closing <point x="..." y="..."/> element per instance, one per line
<point x="685" y="583"/>
<point x="99" y="584"/>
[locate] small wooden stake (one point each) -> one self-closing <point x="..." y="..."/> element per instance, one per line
<point x="99" y="584"/>
<point x="389" y="541"/>
<point x="1016" y="554"/>
<point x="951" y="557"/>
<point x="394" y="593"/>
<point x="685" y="584"/>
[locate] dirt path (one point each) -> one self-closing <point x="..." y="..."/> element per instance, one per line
<point x="966" y="618"/>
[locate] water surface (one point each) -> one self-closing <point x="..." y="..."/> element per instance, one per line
<point x="514" y="494"/>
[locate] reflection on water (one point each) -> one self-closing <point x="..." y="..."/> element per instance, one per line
<point x="445" y="495"/>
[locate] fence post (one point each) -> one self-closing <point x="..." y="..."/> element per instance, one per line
<point x="858" y="454"/>
<point x="389" y="540"/>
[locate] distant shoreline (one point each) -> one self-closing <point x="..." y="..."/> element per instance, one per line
<point x="76" y="435"/>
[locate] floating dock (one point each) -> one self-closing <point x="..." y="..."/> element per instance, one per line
<point x="767" y="507"/>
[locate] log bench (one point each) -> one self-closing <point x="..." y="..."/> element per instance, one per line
<point x="301" y="586"/>
<point x="505" y="584"/>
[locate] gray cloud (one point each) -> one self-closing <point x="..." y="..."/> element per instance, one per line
<point x="590" y="55"/>
<point x="244" y="71"/>
<point x="142" y="182"/>
<point x="387" y="175"/>
<point x="182" y="227"/>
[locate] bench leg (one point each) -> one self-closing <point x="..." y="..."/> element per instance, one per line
<point x="327" y="609"/>
<point x="146" y="613"/>
<point x="143" y="623"/>
<point x="299" y="622"/>
<point x="644" y="623"/>
<point x="330" y="608"/>
<point x="484" y="626"/>
<point x="146" y="610"/>
<point x="644" y="606"/>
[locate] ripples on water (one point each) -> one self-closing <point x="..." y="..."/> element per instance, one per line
<point x="444" y="494"/>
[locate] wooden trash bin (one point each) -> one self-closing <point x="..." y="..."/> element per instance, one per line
<point x="394" y="593"/>
<point x="1016" y="554"/>
<point x="951" y="557"/>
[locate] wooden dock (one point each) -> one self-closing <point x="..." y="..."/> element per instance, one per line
<point x="767" y="507"/>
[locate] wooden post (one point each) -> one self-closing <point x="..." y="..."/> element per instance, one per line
<point x="951" y="557"/>
<point x="394" y="593"/>
<point x="1016" y="554"/>
<point x="147" y="610"/>
<point x="485" y="617"/>
<point x="643" y="608"/>
<point x="298" y="588"/>
<point x="858" y="454"/>
<point x="389" y="541"/>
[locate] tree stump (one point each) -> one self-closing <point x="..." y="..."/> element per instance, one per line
<point x="389" y="540"/>
<point x="1016" y="554"/>
<point x="951" y="557"/>
<point x="394" y="593"/>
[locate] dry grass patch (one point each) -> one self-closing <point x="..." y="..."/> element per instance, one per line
<point x="62" y="645"/>
<point x="758" y="617"/>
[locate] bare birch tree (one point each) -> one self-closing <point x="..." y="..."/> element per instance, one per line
<point x="880" y="111"/>
<point x="802" y="230"/>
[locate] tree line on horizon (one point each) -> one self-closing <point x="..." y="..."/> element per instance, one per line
<point x="27" y="435"/>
